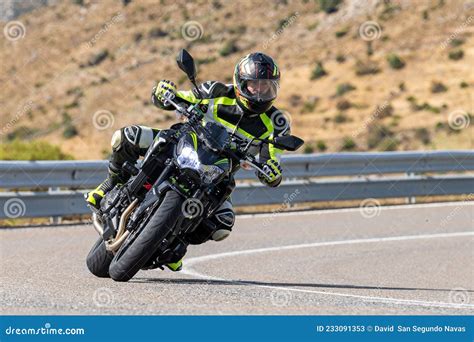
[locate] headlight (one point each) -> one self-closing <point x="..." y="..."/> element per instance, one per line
<point x="188" y="158"/>
<point x="210" y="172"/>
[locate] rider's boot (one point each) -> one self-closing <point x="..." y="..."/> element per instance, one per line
<point x="95" y="196"/>
<point x="178" y="253"/>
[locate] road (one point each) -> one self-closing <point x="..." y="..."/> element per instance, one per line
<point x="414" y="259"/>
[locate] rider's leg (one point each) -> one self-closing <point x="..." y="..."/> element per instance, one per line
<point x="128" y="144"/>
<point x="216" y="228"/>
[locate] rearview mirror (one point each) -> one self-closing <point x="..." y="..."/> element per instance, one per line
<point x="288" y="142"/>
<point x="186" y="63"/>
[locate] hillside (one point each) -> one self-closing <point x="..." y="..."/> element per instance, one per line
<point x="392" y="75"/>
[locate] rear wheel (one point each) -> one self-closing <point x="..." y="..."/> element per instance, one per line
<point x="137" y="250"/>
<point x="99" y="259"/>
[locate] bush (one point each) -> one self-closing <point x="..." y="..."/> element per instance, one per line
<point x="340" y="58"/>
<point x="343" y="104"/>
<point x="329" y="6"/>
<point x="456" y="55"/>
<point x="395" y="61"/>
<point x="388" y="144"/>
<point x="456" y="42"/>
<point x="342" y="32"/>
<point x="423" y="135"/>
<point x="309" y="105"/>
<point x="344" y="88"/>
<point x="438" y="87"/>
<point x="384" y="111"/>
<point x="321" y="145"/>
<point x="308" y="149"/>
<point x="348" y="144"/>
<point x="318" y="71"/>
<point x="463" y="84"/>
<point x="366" y="68"/>
<point x="229" y="48"/>
<point x="34" y="150"/>
<point x="341" y="118"/>
<point x="70" y="131"/>
<point x="376" y="134"/>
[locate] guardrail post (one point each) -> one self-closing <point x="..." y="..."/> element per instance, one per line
<point x="54" y="219"/>
<point x="411" y="200"/>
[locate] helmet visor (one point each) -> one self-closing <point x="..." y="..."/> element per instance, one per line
<point x="260" y="90"/>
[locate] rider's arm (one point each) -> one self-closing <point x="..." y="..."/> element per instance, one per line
<point x="270" y="155"/>
<point x="186" y="97"/>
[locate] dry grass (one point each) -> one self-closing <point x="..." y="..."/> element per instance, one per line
<point x="40" y="72"/>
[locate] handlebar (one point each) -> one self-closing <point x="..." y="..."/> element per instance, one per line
<point x="193" y="115"/>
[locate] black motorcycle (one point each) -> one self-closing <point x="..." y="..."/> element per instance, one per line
<point x="185" y="176"/>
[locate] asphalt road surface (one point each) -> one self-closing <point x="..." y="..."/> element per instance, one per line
<point x="414" y="259"/>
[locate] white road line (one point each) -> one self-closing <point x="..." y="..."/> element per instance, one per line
<point x="196" y="260"/>
<point x="351" y="210"/>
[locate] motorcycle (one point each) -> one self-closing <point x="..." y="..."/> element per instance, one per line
<point x="186" y="175"/>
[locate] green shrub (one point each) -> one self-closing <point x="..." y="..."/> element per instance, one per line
<point x="321" y="145"/>
<point x="438" y="87"/>
<point x="366" y="68"/>
<point x="33" y="150"/>
<point x="388" y="144"/>
<point x="344" y="88"/>
<point x="229" y="48"/>
<point x="456" y="55"/>
<point x="341" y="118"/>
<point x="423" y="135"/>
<point x="456" y="42"/>
<point x="348" y="144"/>
<point x="22" y="133"/>
<point x="310" y="105"/>
<point x="395" y="61"/>
<point x="340" y="58"/>
<point x="342" y="32"/>
<point x="376" y="134"/>
<point x="463" y="84"/>
<point x="70" y="131"/>
<point x="329" y="6"/>
<point x="308" y="148"/>
<point x="343" y="104"/>
<point x="318" y="71"/>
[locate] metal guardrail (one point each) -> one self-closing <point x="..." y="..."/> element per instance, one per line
<point x="367" y="175"/>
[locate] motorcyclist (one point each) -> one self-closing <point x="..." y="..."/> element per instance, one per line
<point x="246" y="107"/>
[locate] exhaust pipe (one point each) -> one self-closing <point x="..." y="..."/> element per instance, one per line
<point x="97" y="225"/>
<point x="122" y="233"/>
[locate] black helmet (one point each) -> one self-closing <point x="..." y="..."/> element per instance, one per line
<point x="256" y="82"/>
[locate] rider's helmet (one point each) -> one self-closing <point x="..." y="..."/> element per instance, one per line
<point x="256" y="83"/>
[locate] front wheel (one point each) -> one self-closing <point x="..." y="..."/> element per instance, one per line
<point x="99" y="259"/>
<point x="137" y="250"/>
